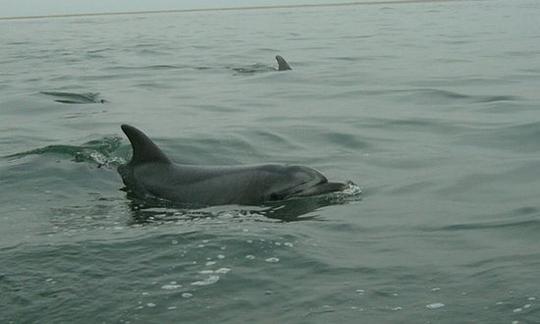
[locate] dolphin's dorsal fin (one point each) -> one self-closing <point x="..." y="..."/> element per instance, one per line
<point x="282" y="64"/>
<point x="144" y="150"/>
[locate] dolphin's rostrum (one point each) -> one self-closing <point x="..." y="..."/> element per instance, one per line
<point x="151" y="174"/>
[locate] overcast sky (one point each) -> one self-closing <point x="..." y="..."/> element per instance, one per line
<point x="17" y="8"/>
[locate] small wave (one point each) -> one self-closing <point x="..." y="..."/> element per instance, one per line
<point x="96" y="151"/>
<point x="431" y="95"/>
<point x="254" y="68"/>
<point x="149" y="67"/>
<point x="346" y="140"/>
<point x="489" y="225"/>
<point x="74" y="98"/>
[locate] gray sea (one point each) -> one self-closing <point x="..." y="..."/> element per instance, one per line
<point x="432" y="109"/>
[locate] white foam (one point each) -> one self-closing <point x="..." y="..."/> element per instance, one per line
<point x="435" y="305"/>
<point x="151" y="305"/>
<point x="171" y="286"/>
<point x="210" y="263"/>
<point x="518" y="310"/>
<point x="250" y="257"/>
<point x="208" y="281"/>
<point x="272" y="260"/>
<point x="206" y="271"/>
<point x="187" y="295"/>
<point x="222" y="270"/>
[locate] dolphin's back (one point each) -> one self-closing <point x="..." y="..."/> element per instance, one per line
<point x="210" y="184"/>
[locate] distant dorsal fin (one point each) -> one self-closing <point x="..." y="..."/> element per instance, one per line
<point x="144" y="150"/>
<point x="282" y="64"/>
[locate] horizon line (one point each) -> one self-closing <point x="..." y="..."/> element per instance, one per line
<point x="239" y="8"/>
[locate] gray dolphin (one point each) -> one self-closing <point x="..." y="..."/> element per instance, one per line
<point x="282" y="64"/>
<point x="75" y="98"/>
<point x="151" y="174"/>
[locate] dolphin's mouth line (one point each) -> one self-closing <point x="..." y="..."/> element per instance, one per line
<point x="300" y="190"/>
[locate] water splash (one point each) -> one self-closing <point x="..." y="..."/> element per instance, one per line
<point x="95" y="151"/>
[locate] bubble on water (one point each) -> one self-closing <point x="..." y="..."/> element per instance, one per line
<point x="250" y="257"/>
<point x="49" y="279"/>
<point x="174" y="242"/>
<point x="531" y="298"/>
<point x="517" y="310"/>
<point x="171" y="307"/>
<point x="499" y="303"/>
<point x="205" y="241"/>
<point x="435" y="289"/>
<point x="277" y="243"/>
<point x="187" y="295"/>
<point x="249" y="241"/>
<point x="200" y="245"/>
<point x="360" y="291"/>
<point x="222" y="270"/>
<point x="527" y="306"/>
<point x="435" y="305"/>
<point x="144" y="293"/>
<point x="151" y="305"/>
<point x="221" y="256"/>
<point x="397" y="308"/>
<point x="515" y="322"/>
<point x="272" y="260"/>
<point x="208" y="281"/>
<point x="210" y="263"/>
<point x="288" y="244"/>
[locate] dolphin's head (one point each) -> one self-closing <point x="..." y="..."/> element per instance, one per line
<point x="300" y="181"/>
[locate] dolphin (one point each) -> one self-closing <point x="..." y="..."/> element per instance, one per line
<point x="151" y="174"/>
<point x="75" y="98"/>
<point x="282" y="64"/>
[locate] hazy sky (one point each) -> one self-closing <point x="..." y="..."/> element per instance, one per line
<point x="15" y="8"/>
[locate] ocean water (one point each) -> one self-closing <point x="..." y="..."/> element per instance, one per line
<point x="431" y="108"/>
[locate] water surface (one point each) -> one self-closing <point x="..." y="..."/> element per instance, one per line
<point x="431" y="108"/>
